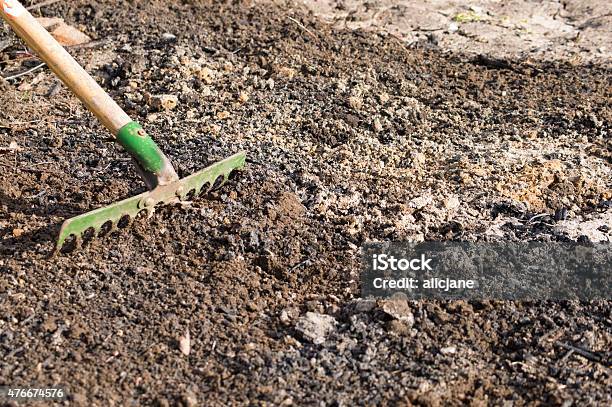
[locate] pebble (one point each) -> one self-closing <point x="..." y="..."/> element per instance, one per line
<point x="185" y="344"/>
<point x="378" y="127"/>
<point x="449" y="350"/>
<point x="168" y="37"/>
<point x="223" y="115"/>
<point x="452" y="202"/>
<point x="243" y="97"/>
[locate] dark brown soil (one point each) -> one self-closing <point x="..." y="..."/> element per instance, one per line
<point x="351" y="137"/>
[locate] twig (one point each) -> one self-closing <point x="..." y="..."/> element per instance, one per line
<point x="43" y="4"/>
<point x="582" y="352"/>
<point x="25" y="73"/>
<point x="302" y="27"/>
<point x="541" y="215"/>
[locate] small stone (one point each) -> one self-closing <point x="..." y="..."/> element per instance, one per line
<point x="288" y="314"/>
<point x="419" y="159"/>
<point x="223" y="115"/>
<point x="168" y="37"/>
<point x="449" y="350"/>
<point x="164" y="102"/>
<point x="284" y="317"/>
<point x="315" y="327"/>
<point x="397" y="308"/>
<point x="243" y="97"/>
<point x="185" y="344"/>
<point x="17" y="232"/>
<point x="378" y="127"/>
<point x="383" y="98"/>
<point x="355" y="102"/>
<point x="452" y="202"/>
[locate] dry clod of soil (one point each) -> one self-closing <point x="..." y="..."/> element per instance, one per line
<point x="223" y="115"/>
<point x="315" y="327"/>
<point x="355" y="102"/>
<point x="164" y="102"/>
<point x="286" y="72"/>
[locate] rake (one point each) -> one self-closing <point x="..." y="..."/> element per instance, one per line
<point x="152" y="165"/>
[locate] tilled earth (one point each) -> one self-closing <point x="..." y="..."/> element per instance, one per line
<point x="351" y="137"/>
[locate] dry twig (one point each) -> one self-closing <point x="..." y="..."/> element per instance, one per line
<point x="19" y="75"/>
<point x="582" y="352"/>
<point x="302" y="27"/>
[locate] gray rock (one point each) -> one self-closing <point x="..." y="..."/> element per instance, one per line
<point x="398" y="308"/>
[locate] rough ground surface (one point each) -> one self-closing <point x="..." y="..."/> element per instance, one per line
<point x="351" y="137"/>
<point x="574" y="30"/>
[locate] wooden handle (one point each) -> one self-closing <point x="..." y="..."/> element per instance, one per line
<point x="64" y="66"/>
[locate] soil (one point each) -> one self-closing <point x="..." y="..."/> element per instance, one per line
<point x="578" y="31"/>
<point x="352" y="136"/>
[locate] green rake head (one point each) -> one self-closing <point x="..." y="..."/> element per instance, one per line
<point x="108" y="218"/>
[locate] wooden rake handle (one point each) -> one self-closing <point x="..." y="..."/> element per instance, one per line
<point x="64" y="66"/>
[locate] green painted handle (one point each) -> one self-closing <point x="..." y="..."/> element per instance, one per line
<point x="141" y="146"/>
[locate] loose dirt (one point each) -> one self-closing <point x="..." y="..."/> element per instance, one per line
<point x="577" y="31"/>
<point x="352" y="136"/>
